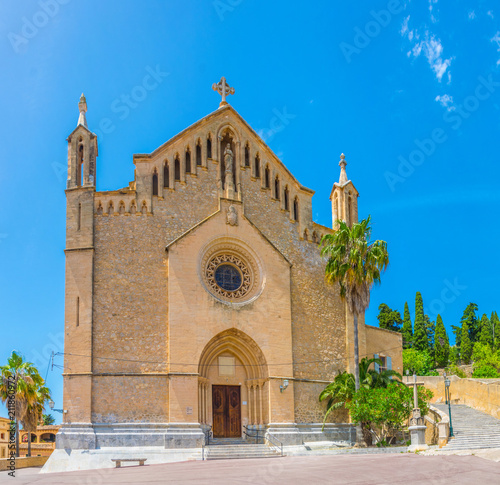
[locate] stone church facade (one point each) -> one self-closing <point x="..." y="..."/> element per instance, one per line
<point x="196" y="299"/>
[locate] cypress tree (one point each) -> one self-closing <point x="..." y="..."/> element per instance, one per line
<point x="407" y="329"/>
<point x="486" y="333"/>
<point x="441" y="344"/>
<point x="495" y="323"/>
<point x="470" y="317"/>
<point x="466" y="347"/>
<point x="420" y="341"/>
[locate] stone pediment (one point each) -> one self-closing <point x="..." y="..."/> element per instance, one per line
<point x="228" y="210"/>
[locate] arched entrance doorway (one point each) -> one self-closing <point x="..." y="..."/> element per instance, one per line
<point x="233" y="384"/>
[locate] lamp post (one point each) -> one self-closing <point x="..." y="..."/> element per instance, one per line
<point x="51" y="406"/>
<point x="448" y="400"/>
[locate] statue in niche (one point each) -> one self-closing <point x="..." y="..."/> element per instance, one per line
<point x="228" y="158"/>
<point x="232" y="216"/>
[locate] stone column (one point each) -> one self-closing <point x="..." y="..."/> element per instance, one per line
<point x="254" y="405"/>
<point x="182" y="160"/>
<point x="171" y="174"/>
<point x="249" y="406"/>
<point x="161" y="173"/>
<point x="261" y="396"/>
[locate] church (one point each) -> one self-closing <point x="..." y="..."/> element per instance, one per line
<point x="196" y="304"/>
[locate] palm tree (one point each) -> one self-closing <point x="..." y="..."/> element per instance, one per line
<point x="30" y="393"/>
<point x="338" y="393"/>
<point x="355" y="264"/>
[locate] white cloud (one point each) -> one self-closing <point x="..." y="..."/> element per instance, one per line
<point x="446" y="101"/>
<point x="404" y="27"/>
<point x="433" y="49"/>
<point x="489" y="13"/>
<point x="472" y="15"/>
<point x="431" y="10"/>
<point x="496" y="39"/>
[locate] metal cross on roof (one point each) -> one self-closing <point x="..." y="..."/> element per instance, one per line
<point x="223" y="89"/>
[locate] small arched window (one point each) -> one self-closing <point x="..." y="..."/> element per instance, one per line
<point x="286" y="196"/>
<point x="79" y="165"/>
<point x="306" y="235"/>
<point x="144" y="208"/>
<point x="267" y="177"/>
<point x="247" y="155"/>
<point x="166" y="175"/>
<point x="133" y="207"/>
<point x="314" y="237"/>
<point x="209" y="147"/>
<point x="121" y="207"/>
<point x="177" y="168"/>
<point x="198" y="153"/>
<point x="277" y="188"/>
<point x="296" y="209"/>
<point x="111" y="207"/>
<point x="188" y="161"/>
<point x="155" y="183"/>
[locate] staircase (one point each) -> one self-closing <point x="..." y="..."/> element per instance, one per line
<point x="472" y="429"/>
<point x="232" y="448"/>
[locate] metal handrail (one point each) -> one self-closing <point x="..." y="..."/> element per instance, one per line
<point x="207" y="434"/>
<point x="276" y="443"/>
<point x="273" y="442"/>
<point x="247" y="432"/>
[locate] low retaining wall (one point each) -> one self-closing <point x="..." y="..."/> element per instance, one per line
<point x="23" y="462"/>
<point x="480" y="394"/>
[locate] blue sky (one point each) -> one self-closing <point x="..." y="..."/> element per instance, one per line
<point x="409" y="91"/>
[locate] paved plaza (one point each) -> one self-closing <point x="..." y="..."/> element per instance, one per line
<point x="356" y="470"/>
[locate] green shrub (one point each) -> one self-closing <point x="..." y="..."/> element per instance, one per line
<point x="455" y="370"/>
<point x="384" y="411"/>
<point x="485" y="371"/>
<point x="418" y="361"/>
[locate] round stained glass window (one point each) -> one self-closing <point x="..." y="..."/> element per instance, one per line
<point x="228" y="277"/>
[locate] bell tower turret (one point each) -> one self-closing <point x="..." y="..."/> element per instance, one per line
<point x="344" y="198"/>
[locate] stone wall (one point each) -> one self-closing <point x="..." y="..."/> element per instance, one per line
<point x="24" y="462"/>
<point x="480" y="394"/>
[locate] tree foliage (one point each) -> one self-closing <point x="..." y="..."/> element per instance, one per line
<point x="486" y="331"/>
<point x="418" y="362"/>
<point x="466" y="344"/>
<point x="48" y="420"/>
<point x="355" y="263"/>
<point x="389" y="319"/>
<point x="407" y="330"/>
<point x="469" y="317"/>
<point x="441" y="344"/>
<point x="31" y="393"/>
<point x="420" y="341"/>
<point x="384" y="411"/>
<point x="495" y="323"/>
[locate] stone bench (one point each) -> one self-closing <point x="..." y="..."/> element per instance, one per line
<point x="118" y="461"/>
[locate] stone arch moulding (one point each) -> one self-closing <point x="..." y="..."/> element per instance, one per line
<point x="219" y="245"/>
<point x="241" y="346"/>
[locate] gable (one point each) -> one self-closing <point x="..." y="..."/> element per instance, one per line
<point x="213" y="126"/>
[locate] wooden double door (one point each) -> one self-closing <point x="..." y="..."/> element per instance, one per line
<point x="226" y="405"/>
